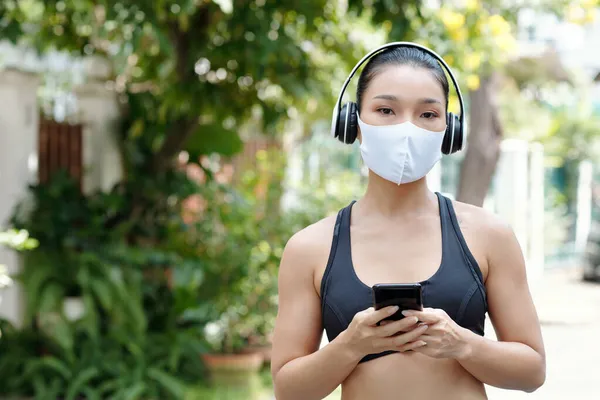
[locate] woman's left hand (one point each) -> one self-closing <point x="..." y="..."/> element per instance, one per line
<point x="443" y="338"/>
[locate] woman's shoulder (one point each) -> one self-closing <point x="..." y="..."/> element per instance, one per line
<point x="311" y="245"/>
<point x="480" y="219"/>
<point x="314" y="237"/>
<point x="486" y="233"/>
<point x="485" y="230"/>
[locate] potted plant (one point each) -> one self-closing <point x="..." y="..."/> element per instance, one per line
<point x="259" y="292"/>
<point x="227" y="360"/>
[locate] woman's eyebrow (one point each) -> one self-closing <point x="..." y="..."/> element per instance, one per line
<point x="391" y="97"/>
<point x="386" y="97"/>
<point x="429" y="100"/>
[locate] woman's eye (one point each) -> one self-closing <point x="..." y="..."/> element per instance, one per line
<point x="429" y="115"/>
<point x="385" y="111"/>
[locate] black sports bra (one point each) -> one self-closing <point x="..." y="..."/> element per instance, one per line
<point x="456" y="287"/>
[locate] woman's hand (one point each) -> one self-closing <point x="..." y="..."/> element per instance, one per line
<point x="363" y="336"/>
<point x="444" y="337"/>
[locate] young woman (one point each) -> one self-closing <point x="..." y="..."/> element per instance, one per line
<point x="467" y="261"/>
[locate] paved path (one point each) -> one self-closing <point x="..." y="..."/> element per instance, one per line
<point x="569" y="312"/>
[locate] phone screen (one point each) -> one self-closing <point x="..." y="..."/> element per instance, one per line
<point x="405" y="297"/>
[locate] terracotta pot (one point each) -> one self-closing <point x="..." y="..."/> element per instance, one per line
<point x="234" y="370"/>
<point x="263" y="350"/>
<point x="247" y="361"/>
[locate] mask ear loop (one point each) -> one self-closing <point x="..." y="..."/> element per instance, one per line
<point x="364" y="170"/>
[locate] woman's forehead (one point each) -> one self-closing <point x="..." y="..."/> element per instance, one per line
<point x="405" y="80"/>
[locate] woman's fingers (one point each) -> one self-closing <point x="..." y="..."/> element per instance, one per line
<point x="408" y="337"/>
<point x="412" y="345"/>
<point x="393" y="327"/>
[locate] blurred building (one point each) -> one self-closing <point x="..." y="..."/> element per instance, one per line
<point x="575" y="45"/>
<point x="558" y="41"/>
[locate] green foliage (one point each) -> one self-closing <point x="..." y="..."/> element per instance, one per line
<point x="523" y="117"/>
<point x="256" y="230"/>
<point x="108" y="367"/>
<point x="252" y="235"/>
<point x="131" y="339"/>
<point x="574" y="134"/>
<point x="19" y="240"/>
<point x="148" y="296"/>
<point x="191" y="71"/>
<point x="190" y="75"/>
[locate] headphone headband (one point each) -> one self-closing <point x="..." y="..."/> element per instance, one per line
<point x="337" y="107"/>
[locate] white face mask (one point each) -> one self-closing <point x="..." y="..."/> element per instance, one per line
<point x="400" y="153"/>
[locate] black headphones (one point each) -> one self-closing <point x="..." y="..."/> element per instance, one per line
<point x="344" y="124"/>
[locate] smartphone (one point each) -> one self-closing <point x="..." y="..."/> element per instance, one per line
<point x="407" y="296"/>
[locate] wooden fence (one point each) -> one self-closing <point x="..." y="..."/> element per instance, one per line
<point x="59" y="148"/>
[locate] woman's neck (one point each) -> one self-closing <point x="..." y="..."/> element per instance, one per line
<point x="389" y="199"/>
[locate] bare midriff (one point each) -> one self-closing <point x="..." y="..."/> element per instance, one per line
<point x="409" y="376"/>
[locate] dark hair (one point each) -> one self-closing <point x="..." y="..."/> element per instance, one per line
<point x="411" y="56"/>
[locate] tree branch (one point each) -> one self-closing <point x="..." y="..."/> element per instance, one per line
<point x="178" y="135"/>
<point x="183" y="128"/>
<point x="483" y="150"/>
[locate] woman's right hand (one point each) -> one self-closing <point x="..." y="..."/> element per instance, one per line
<point x="364" y="336"/>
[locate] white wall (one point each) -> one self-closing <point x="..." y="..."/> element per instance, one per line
<point x="99" y="112"/>
<point x="519" y="200"/>
<point x="18" y="163"/>
<point x="584" y="205"/>
<point x="19" y="121"/>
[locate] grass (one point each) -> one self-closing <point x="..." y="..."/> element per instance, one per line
<point x="221" y="393"/>
<point x="261" y="389"/>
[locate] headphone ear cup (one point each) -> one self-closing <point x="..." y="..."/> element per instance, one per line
<point x="458" y="135"/>
<point x="340" y="126"/>
<point x="352" y="132"/>
<point x="447" y="142"/>
<point x="347" y="124"/>
<point x="453" y="137"/>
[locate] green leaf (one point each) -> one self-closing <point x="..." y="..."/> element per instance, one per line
<point x="168" y="382"/>
<point x="91" y="394"/>
<point x="135" y="392"/>
<point x="51" y="297"/>
<point x="34" y="277"/>
<point x="103" y="293"/>
<point x="108" y="387"/>
<point x="78" y="384"/>
<point x="213" y="138"/>
<point x="63" y="335"/>
<point x="90" y="320"/>
<point x="40" y="388"/>
<point x="50" y="364"/>
<point x="56" y="388"/>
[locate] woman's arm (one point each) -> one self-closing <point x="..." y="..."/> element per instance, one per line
<point x="517" y="360"/>
<point x="300" y="370"/>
